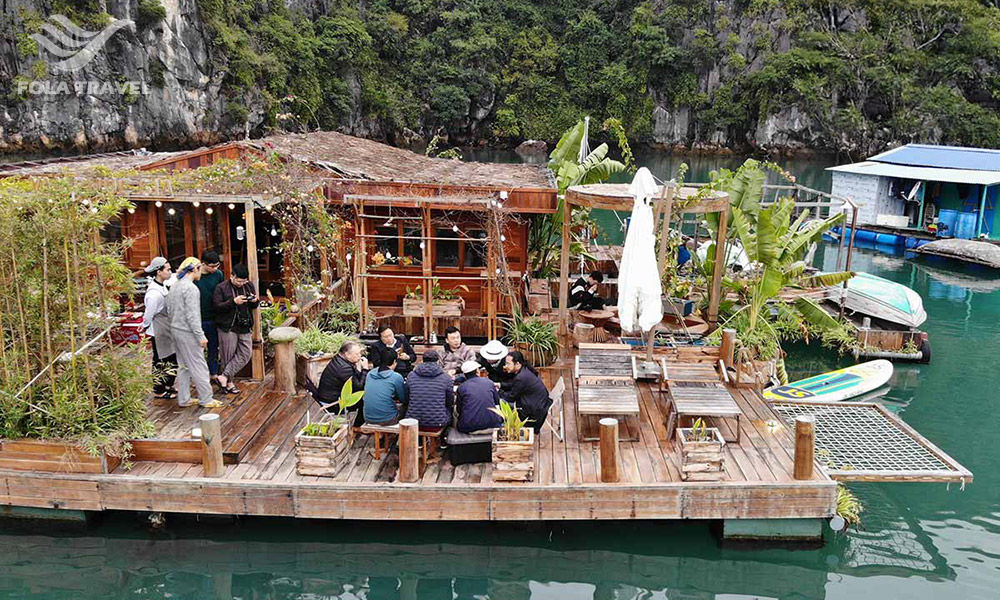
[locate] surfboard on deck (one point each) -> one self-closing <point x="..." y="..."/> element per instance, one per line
<point x="834" y="386"/>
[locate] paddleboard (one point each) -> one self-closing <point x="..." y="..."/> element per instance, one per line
<point x="836" y="385"/>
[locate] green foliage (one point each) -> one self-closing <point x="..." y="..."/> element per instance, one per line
<point x="536" y="335"/>
<point x="343" y="316"/>
<point x="150" y="12"/>
<point x="315" y="341"/>
<point x="849" y="507"/>
<point x="437" y="292"/>
<point x="514" y="427"/>
<point x="329" y="427"/>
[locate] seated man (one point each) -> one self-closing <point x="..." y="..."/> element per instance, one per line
<point x="583" y="294"/>
<point x="455" y="352"/>
<point x="475" y="399"/>
<point x="491" y="359"/>
<point x="399" y="345"/>
<point x="431" y="393"/>
<point x="349" y="365"/>
<point x="384" y="389"/>
<point x="526" y="390"/>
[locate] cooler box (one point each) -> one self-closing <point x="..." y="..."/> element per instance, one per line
<point x="128" y="330"/>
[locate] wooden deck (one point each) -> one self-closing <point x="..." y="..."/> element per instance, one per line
<point x="260" y="426"/>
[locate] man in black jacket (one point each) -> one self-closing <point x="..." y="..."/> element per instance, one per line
<point x="233" y="303"/>
<point x="525" y="390"/>
<point x="389" y="341"/>
<point x="349" y="365"/>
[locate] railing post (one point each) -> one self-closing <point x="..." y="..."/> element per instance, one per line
<point x="728" y="348"/>
<point x="805" y="446"/>
<point x="609" y="450"/>
<point x="409" y="459"/>
<point x="211" y="445"/>
<point x="283" y="339"/>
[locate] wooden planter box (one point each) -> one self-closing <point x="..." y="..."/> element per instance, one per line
<point x="311" y="366"/>
<point x="514" y="461"/>
<point x="415" y="307"/>
<point x="701" y="461"/>
<point x="53" y="457"/>
<point x="322" y="456"/>
<point x="755" y="374"/>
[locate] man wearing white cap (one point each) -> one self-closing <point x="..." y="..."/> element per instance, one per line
<point x="156" y="324"/>
<point x="491" y="357"/>
<point x="476" y="396"/>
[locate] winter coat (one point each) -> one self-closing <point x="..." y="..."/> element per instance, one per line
<point x="528" y="393"/>
<point x="475" y="399"/>
<point x="156" y="319"/>
<point x="184" y="306"/>
<point x="229" y="316"/>
<point x="452" y="361"/>
<point x="383" y="389"/>
<point x="403" y="367"/>
<point x="206" y="286"/>
<point x="338" y="372"/>
<point x="432" y="395"/>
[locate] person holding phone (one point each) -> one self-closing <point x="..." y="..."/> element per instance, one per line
<point x="234" y="301"/>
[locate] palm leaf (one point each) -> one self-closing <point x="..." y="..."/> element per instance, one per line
<point x="742" y="228"/>
<point x="771" y="283"/>
<point x="826" y="279"/>
<point x="815" y="315"/>
<point x="747" y="188"/>
<point x="767" y="240"/>
<point x="568" y="147"/>
<point x="781" y="214"/>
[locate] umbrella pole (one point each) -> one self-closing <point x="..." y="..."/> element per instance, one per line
<point x="564" y="271"/>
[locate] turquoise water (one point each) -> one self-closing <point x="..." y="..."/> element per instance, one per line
<point x="918" y="541"/>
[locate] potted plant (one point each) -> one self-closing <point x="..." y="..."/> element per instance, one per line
<point x="444" y="302"/>
<point x="314" y="349"/>
<point x="675" y="300"/>
<point x="701" y="452"/>
<point x="321" y="448"/>
<point x="513" y="447"/>
<point x="533" y="336"/>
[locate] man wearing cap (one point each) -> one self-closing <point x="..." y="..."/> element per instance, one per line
<point x="234" y="301"/>
<point x="491" y="357"/>
<point x="211" y="277"/>
<point x="184" y="306"/>
<point x="156" y="324"/>
<point x="431" y="392"/>
<point x="476" y="396"/>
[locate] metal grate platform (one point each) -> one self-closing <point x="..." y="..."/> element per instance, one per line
<point x="865" y="442"/>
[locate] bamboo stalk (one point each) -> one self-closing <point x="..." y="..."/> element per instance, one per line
<point x="86" y="363"/>
<point x="72" y="315"/>
<point x="100" y="275"/>
<point x="47" y="330"/>
<point x="24" y="325"/>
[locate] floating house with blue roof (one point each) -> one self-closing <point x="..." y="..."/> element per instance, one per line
<point x="944" y="190"/>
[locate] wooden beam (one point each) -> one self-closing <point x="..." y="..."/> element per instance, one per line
<point x="667" y="206"/>
<point x="564" y="270"/>
<point x="257" y="358"/>
<point x="805" y="447"/>
<point x="211" y="450"/>
<point x="720" y="270"/>
<point x="609" y="451"/>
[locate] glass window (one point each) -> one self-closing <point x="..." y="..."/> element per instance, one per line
<point x="175" y="227"/>
<point x="475" y="251"/>
<point x="387" y="243"/>
<point x="412" y="254"/>
<point x="446" y="250"/>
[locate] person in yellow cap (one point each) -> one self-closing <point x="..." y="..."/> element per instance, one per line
<point x="184" y="306"/>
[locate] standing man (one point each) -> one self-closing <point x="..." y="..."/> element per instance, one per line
<point x="234" y="301"/>
<point x="455" y="351"/>
<point x="211" y="277"/>
<point x="184" y="305"/>
<point x="156" y="324"/>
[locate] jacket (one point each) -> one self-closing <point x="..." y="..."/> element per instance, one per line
<point x="230" y="316"/>
<point x="383" y="388"/>
<point x="206" y="286"/>
<point x="431" y="395"/>
<point x="528" y="393"/>
<point x="495" y="372"/>
<point x="403" y="367"/>
<point x="452" y="361"/>
<point x="184" y="306"/>
<point x="156" y="319"/>
<point x="475" y="399"/>
<point x="337" y="372"/>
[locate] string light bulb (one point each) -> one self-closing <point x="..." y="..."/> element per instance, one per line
<point x="454" y="228"/>
<point x="274" y="232"/>
<point x="196" y="204"/>
<point x="232" y="206"/>
<point x="209" y="210"/>
<point x="348" y="257"/>
<point x="158" y="204"/>
<point x="131" y="210"/>
<point x="503" y="238"/>
<point x="422" y="245"/>
<point x="309" y="248"/>
<point x="171" y="212"/>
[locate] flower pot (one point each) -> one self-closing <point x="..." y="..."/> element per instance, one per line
<point x="514" y="460"/>
<point x="415" y="307"/>
<point x="701" y="461"/>
<point x="311" y="366"/>
<point x="322" y="456"/>
<point x="677" y="306"/>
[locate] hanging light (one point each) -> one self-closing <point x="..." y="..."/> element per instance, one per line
<point x="310" y="248"/>
<point x="454" y="228"/>
<point x="232" y="206"/>
<point x="348" y="256"/>
<point x="274" y="232"/>
<point x="422" y="245"/>
<point x="171" y="212"/>
<point x="131" y="210"/>
<point x="158" y="204"/>
<point x="209" y="210"/>
<point x="196" y="204"/>
<point x="503" y="238"/>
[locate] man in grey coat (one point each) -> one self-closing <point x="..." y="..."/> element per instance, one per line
<point x="184" y="306"/>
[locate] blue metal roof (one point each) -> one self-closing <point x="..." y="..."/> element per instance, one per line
<point x="942" y="157"/>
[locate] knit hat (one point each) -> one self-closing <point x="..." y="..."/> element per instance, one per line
<point x="155" y="265"/>
<point x="469" y="366"/>
<point x="431" y="356"/>
<point x="493" y="351"/>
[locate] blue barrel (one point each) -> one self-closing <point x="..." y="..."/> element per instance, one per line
<point x="946" y="222"/>
<point x="965" y="225"/>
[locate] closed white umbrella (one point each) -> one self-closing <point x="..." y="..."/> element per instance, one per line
<point x="639" y="291"/>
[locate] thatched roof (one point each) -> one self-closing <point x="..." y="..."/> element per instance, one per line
<point x="357" y="158"/>
<point x="78" y="165"/>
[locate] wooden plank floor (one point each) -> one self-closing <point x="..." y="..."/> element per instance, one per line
<point x="758" y="481"/>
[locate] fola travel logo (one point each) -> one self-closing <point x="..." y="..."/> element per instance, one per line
<point x="70" y="48"/>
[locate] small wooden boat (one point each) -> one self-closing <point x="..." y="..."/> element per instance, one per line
<point x="834" y="386"/>
<point x="882" y="299"/>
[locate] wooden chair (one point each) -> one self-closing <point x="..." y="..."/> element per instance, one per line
<point x="556" y="395"/>
<point x="606" y="375"/>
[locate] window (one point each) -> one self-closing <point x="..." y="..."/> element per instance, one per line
<point x="446" y="250"/>
<point x="412" y="253"/>
<point x="387" y="242"/>
<point x="475" y="251"/>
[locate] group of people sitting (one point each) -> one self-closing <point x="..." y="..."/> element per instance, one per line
<point x="453" y="386"/>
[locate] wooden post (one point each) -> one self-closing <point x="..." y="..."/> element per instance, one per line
<point x="564" y="271"/>
<point x="609" y="450"/>
<point x="805" y="446"/>
<point x="211" y="448"/>
<point x="409" y="457"/>
<point x="728" y="348"/>
<point x="257" y="357"/>
<point x="720" y="270"/>
<point x="283" y="339"/>
<point x="667" y="207"/>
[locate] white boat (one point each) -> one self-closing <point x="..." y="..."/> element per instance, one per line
<point x="882" y="299"/>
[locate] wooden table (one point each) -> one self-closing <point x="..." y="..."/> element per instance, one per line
<point x="605" y="376"/>
<point x="702" y="401"/>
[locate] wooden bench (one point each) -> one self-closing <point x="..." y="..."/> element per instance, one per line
<point x="426" y="436"/>
<point x="605" y="375"/>
<point x="710" y="400"/>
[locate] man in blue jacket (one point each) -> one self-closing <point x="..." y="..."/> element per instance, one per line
<point x="431" y="393"/>
<point x="475" y="399"/>
<point x="384" y="389"/>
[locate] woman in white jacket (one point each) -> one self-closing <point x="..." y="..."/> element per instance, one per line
<point x="156" y="323"/>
